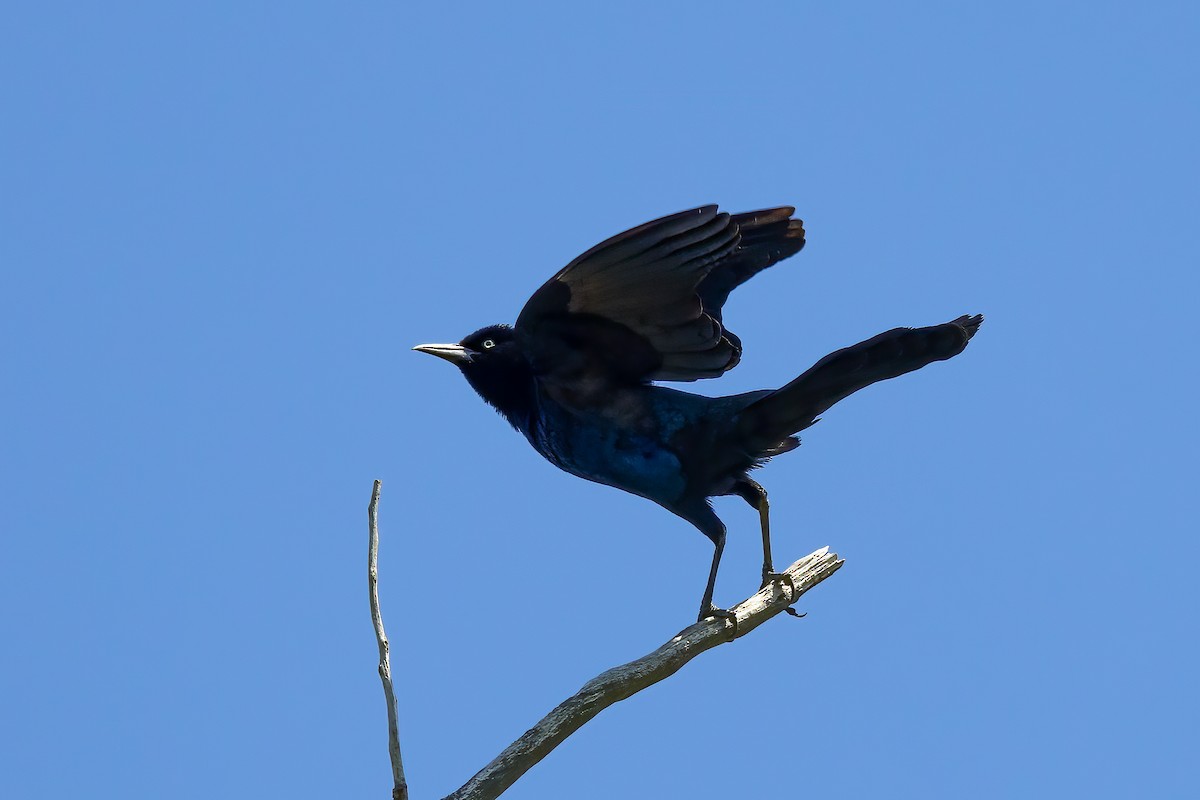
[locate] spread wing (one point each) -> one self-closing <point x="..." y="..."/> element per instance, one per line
<point x="646" y="304"/>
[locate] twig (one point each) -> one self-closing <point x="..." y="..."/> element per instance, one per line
<point x="624" y="681"/>
<point x="399" y="785"/>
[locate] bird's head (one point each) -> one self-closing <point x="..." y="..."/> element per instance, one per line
<point x="492" y="362"/>
<point x="479" y="353"/>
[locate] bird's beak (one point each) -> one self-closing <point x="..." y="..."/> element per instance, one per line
<point x="454" y="353"/>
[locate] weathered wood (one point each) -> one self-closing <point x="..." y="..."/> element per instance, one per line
<point x="621" y="682"/>
<point x="605" y="689"/>
<point x="399" y="784"/>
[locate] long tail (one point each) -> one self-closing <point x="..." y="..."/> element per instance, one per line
<point x="764" y="426"/>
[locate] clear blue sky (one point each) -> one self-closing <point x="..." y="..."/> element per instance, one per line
<point x="222" y="227"/>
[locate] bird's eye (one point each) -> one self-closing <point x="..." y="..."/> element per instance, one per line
<point x="488" y="344"/>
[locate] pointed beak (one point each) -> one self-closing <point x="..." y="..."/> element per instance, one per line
<point x="454" y="353"/>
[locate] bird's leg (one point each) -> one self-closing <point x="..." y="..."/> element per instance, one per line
<point x="698" y="512"/>
<point x="754" y="494"/>
<point x="707" y="609"/>
<point x="706" y="602"/>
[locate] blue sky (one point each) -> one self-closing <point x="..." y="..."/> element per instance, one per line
<point x="223" y="226"/>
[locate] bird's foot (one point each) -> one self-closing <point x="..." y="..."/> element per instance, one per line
<point x="782" y="578"/>
<point x="720" y="613"/>
<point x="769" y="577"/>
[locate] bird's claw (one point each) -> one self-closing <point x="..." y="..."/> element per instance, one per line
<point x="778" y="577"/>
<point x="721" y="613"/>
<point x="782" y="578"/>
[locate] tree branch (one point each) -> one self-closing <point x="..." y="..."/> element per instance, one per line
<point x="626" y="680"/>
<point x="399" y="784"/>
<point x="607" y="688"/>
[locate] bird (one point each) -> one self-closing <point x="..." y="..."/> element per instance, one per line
<point x="578" y="372"/>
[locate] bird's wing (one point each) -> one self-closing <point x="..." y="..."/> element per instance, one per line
<point x="646" y="304"/>
<point x="768" y="236"/>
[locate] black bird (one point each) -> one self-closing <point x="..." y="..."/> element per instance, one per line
<point x="574" y="373"/>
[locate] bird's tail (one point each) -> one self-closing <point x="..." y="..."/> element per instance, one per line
<point x="765" y="425"/>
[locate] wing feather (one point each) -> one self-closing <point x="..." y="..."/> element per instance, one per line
<point x="658" y="290"/>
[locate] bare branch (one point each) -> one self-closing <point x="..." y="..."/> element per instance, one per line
<point x="626" y="680"/>
<point x="399" y="785"/>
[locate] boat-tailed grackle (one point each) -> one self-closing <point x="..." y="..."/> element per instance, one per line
<point x="574" y="374"/>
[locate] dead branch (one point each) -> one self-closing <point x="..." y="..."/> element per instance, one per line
<point x="607" y="688"/>
<point x="626" y="680"/>
<point x="399" y="784"/>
